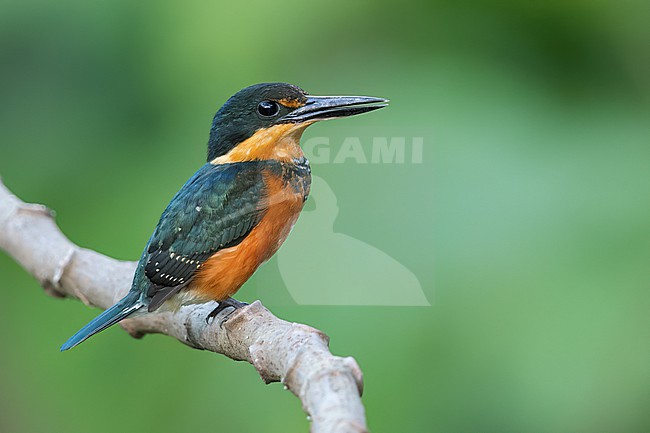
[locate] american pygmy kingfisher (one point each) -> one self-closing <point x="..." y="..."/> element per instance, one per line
<point x="234" y="213"/>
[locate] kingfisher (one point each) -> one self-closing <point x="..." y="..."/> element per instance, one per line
<point x="233" y="214"/>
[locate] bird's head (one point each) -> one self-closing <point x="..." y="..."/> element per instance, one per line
<point x="263" y="115"/>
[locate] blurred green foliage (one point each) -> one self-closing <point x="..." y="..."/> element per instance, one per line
<point x="527" y="223"/>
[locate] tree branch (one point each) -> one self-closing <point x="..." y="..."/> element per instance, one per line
<point x="297" y="355"/>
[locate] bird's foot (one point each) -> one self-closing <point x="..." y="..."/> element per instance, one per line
<point x="230" y="302"/>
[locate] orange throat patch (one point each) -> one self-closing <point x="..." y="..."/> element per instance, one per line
<point x="279" y="142"/>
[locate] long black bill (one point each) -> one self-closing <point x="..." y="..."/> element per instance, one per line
<point x="330" y="107"/>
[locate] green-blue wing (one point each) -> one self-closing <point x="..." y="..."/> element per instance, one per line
<point x="215" y="209"/>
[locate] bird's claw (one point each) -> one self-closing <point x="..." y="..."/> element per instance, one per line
<point x="230" y="302"/>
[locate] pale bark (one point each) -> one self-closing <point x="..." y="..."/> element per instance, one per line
<point x="297" y="355"/>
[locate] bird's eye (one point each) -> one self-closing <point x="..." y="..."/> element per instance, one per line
<point x="268" y="108"/>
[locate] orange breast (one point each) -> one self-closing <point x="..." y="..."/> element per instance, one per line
<point x="228" y="269"/>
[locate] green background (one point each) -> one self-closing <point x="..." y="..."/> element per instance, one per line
<point x="527" y="223"/>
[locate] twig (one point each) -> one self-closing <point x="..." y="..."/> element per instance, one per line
<point x="297" y="355"/>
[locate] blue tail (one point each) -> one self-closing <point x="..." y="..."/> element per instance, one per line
<point x="123" y="309"/>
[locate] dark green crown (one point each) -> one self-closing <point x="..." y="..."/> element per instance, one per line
<point x="248" y="111"/>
